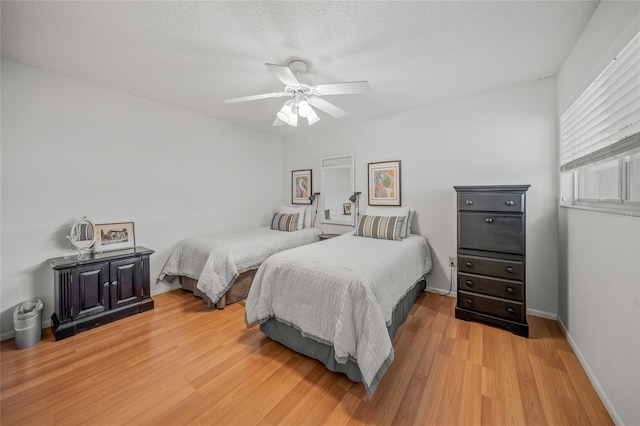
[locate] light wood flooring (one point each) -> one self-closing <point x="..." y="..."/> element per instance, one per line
<point x="184" y="364"/>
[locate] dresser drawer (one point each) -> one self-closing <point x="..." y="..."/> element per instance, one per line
<point x="493" y="267"/>
<point x="491" y="305"/>
<point x="491" y="286"/>
<point x="491" y="232"/>
<point x="500" y="202"/>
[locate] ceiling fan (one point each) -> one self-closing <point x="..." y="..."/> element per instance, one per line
<point x="304" y="95"/>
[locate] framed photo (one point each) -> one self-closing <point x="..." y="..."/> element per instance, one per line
<point x="301" y="186"/>
<point x="346" y="207"/>
<point x="114" y="236"/>
<point x="384" y="183"/>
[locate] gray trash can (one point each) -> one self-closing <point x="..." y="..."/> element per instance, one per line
<point x="27" y="323"/>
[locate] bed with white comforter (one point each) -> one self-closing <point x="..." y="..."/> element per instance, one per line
<point x="215" y="261"/>
<point x="341" y="292"/>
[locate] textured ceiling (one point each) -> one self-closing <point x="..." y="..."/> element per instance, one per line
<point x="192" y="55"/>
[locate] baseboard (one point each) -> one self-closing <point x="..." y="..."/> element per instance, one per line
<point x="440" y="291"/>
<point x="47" y="323"/>
<point x="542" y="314"/>
<point x="11" y="333"/>
<point x="7" y="335"/>
<point x="454" y="292"/>
<point x="592" y="377"/>
<point x="165" y="287"/>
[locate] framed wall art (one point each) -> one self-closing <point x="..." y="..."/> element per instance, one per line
<point x="114" y="236"/>
<point x="384" y="183"/>
<point x="301" y="186"/>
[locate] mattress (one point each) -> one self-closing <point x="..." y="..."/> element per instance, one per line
<point x="342" y="292"/>
<point x="292" y="338"/>
<point x="215" y="261"/>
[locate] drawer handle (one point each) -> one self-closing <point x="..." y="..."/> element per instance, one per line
<point x="510" y="290"/>
<point x="510" y="269"/>
<point x="469" y="264"/>
<point x="489" y="220"/>
<point x="469" y="301"/>
<point x="106" y="284"/>
<point x="509" y="203"/>
<point x="468" y="202"/>
<point x="114" y="283"/>
<point x="510" y="310"/>
<point x="469" y="283"/>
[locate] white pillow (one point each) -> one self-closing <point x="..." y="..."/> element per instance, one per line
<point x="307" y="218"/>
<point x="301" y="212"/>
<point x="392" y="211"/>
<point x="411" y="214"/>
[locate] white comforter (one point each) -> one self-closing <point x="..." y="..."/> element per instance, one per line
<point x="341" y="292"/>
<point x="217" y="260"/>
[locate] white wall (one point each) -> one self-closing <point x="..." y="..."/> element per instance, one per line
<point x="599" y="253"/>
<point x="506" y="136"/>
<point x="71" y="149"/>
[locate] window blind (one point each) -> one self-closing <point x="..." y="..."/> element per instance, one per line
<point x="603" y="120"/>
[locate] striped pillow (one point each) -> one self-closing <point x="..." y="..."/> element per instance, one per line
<point x="285" y="222"/>
<point x="381" y="227"/>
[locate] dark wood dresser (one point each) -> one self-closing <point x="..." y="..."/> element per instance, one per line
<point x="491" y="256"/>
<point x="102" y="288"/>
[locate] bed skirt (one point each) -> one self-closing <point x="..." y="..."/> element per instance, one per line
<point x="293" y="339"/>
<point x="238" y="291"/>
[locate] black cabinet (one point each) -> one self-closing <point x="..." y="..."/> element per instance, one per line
<point x="491" y="255"/>
<point x="102" y="288"/>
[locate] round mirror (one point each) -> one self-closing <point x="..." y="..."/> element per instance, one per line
<point x="82" y="236"/>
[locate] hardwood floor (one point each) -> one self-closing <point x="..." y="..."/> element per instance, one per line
<point x="184" y="364"/>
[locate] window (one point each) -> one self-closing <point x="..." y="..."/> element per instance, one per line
<point x="633" y="173"/>
<point x="600" y="182"/>
<point x="600" y="138"/>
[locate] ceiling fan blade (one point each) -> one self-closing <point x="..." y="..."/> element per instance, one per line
<point x="327" y="107"/>
<point x="284" y="74"/>
<point x="278" y="122"/>
<point x="254" y="97"/>
<point x="350" y="88"/>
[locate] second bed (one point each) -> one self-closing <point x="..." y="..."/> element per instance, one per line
<point x="219" y="268"/>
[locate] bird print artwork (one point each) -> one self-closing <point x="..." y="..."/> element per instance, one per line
<point x="383" y="183"/>
<point x="302" y="187"/>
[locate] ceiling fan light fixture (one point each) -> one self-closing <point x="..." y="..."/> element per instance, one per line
<point x="285" y="112"/>
<point x="312" y="117"/>
<point x="304" y="109"/>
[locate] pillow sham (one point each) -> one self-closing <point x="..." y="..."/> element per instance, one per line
<point x="307" y="218"/>
<point x="285" y="222"/>
<point x="393" y="211"/>
<point x="292" y="210"/>
<point x="412" y="213"/>
<point x="381" y="227"/>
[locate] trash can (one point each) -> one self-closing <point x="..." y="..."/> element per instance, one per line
<point x="27" y="323"/>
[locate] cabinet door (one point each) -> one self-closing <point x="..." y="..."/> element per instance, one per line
<point x="126" y="277"/>
<point x="491" y="232"/>
<point x="89" y="290"/>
